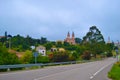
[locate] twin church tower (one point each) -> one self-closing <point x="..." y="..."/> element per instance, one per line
<point x="69" y="39"/>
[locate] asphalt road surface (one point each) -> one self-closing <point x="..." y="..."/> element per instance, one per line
<point x="86" y="71"/>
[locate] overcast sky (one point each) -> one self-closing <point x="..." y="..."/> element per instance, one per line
<point x="54" y="18"/>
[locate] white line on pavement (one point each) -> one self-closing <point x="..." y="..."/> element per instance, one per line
<point x="55" y="74"/>
<point x="99" y="71"/>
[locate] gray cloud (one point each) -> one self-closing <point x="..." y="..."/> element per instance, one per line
<point x="53" y="19"/>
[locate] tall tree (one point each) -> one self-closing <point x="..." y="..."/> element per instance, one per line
<point x="94" y="41"/>
<point x="93" y="36"/>
<point x="43" y="40"/>
<point x="78" y="40"/>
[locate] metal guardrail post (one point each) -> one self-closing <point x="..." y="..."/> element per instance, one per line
<point x="8" y="69"/>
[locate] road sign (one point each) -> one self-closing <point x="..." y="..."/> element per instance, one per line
<point x="35" y="54"/>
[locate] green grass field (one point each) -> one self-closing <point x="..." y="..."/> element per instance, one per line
<point x="114" y="73"/>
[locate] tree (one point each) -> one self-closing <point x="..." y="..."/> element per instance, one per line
<point x="20" y="43"/>
<point x="93" y="36"/>
<point x="27" y="57"/>
<point x="109" y="48"/>
<point x="71" y="47"/>
<point x="43" y="40"/>
<point x="48" y="45"/>
<point x="75" y="55"/>
<point x="6" y="57"/>
<point x="94" y="41"/>
<point x="66" y="44"/>
<point x="78" y="40"/>
<point x="59" y="44"/>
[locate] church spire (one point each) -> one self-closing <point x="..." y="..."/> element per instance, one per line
<point x="73" y="35"/>
<point x="68" y="35"/>
<point x="109" y="40"/>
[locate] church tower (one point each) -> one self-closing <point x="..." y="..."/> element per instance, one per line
<point x="73" y="38"/>
<point x="108" y="40"/>
<point x="70" y="40"/>
<point x="73" y="35"/>
<point x="68" y="35"/>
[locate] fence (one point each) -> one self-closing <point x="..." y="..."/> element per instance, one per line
<point x="8" y="67"/>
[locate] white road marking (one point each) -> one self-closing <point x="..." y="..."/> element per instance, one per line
<point x="99" y="71"/>
<point x="55" y="74"/>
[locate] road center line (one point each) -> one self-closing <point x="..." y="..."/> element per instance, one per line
<point x="99" y="71"/>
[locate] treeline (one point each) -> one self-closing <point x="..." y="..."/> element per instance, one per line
<point x="91" y="46"/>
<point x="21" y="43"/>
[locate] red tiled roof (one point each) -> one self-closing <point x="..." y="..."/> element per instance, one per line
<point x="2" y="36"/>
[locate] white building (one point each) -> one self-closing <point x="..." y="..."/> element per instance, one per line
<point x="41" y="50"/>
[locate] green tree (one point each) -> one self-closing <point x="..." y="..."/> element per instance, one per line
<point x="74" y="56"/>
<point x="94" y="41"/>
<point x="59" y="44"/>
<point x="3" y="41"/>
<point x="27" y="57"/>
<point x="109" y="47"/>
<point x="66" y="44"/>
<point x="6" y="57"/>
<point x="78" y="40"/>
<point x="48" y="45"/>
<point x="94" y="35"/>
<point x="43" y="40"/>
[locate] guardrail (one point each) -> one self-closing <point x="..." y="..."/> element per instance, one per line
<point x="8" y="67"/>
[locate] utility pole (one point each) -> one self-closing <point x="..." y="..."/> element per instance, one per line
<point x="9" y="37"/>
<point x="9" y="43"/>
<point x="117" y="52"/>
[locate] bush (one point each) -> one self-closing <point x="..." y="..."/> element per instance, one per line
<point x="60" y="56"/>
<point x="86" y="55"/>
<point x="109" y="54"/>
<point x="7" y="58"/>
<point x="42" y="59"/>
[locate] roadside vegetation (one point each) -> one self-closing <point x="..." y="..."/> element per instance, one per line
<point x="17" y="49"/>
<point x="114" y="73"/>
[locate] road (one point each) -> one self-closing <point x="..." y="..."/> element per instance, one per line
<point x="84" y="71"/>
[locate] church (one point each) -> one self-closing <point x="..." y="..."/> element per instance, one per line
<point x="70" y="40"/>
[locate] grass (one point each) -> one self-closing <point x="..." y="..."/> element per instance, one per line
<point x="114" y="73"/>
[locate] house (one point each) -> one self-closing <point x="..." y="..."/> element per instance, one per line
<point x="54" y="49"/>
<point x="57" y="49"/>
<point x="61" y="49"/>
<point x="41" y="50"/>
<point x="2" y="37"/>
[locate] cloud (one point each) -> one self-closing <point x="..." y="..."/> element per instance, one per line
<point x="54" y="19"/>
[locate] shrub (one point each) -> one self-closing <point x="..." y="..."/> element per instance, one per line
<point x="59" y="56"/>
<point x="86" y="55"/>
